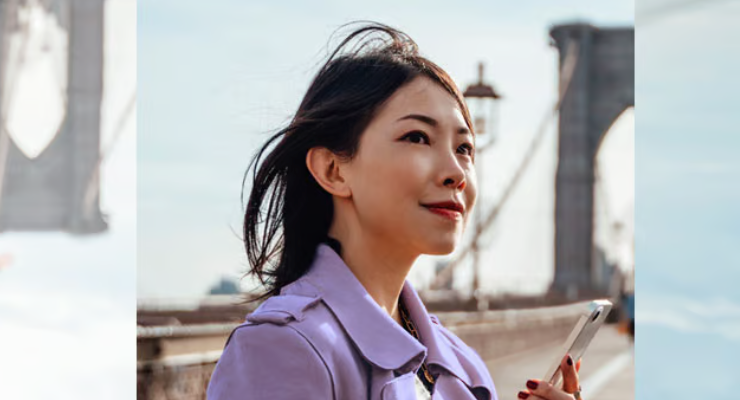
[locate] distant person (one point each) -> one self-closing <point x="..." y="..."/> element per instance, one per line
<point x="376" y="168"/>
<point x="628" y="304"/>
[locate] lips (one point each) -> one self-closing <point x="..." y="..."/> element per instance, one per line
<point x="447" y="205"/>
<point x="448" y="209"/>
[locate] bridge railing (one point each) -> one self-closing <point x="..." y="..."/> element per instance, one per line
<point x="176" y="362"/>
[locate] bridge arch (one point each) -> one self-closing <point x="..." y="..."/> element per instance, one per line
<point x="48" y="192"/>
<point x="601" y="88"/>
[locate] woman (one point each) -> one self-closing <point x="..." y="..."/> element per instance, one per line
<point x="375" y="169"/>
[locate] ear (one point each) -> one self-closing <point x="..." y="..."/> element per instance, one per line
<point x="325" y="166"/>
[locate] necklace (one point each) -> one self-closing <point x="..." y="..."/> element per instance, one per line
<point x="424" y="374"/>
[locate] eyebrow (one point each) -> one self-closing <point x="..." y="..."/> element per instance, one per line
<point x="433" y="122"/>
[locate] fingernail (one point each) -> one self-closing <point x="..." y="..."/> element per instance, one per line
<point x="570" y="360"/>
<point x="532" y="385"/>
<point x="523" y="395"/>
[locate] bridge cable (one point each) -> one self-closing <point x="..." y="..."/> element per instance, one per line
<point x="566" y="75"/>
<point x="93" y="186"/>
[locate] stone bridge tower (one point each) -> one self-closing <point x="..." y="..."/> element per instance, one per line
<point x="47" y="192"/>
<point x="601" y="88"/>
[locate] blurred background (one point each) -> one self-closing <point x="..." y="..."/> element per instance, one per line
<point x="67" y="198"/>
<point x="688" y="221"/>
<point x="218" y="80"/>
<point x="551" y="87"/>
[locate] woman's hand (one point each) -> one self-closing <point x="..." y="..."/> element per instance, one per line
<point x="541" y="390"/>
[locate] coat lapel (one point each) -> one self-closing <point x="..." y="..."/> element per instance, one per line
<point x="446" y="352"/>
<point x="385" y="344"/>
<point x="379" y="339"/>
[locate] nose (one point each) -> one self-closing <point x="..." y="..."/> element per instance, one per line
<point x="452" y="183"/>
<point x="453" y="176"/>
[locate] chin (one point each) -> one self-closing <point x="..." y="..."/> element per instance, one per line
<point x="442" y="247"/>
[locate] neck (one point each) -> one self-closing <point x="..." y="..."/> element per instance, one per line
<point x="381" y="268"/>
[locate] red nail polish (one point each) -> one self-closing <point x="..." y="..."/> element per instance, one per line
<point x="569" y="360"/>
<point x="523" y="395"/>
<point x="532" y="385"/>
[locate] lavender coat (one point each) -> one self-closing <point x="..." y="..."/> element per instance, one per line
<point x="324" y="338"/>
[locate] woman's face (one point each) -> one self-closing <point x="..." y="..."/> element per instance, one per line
<point x="415" y="155"/>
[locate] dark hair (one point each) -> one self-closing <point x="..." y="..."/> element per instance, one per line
<point x="288" y="214"/>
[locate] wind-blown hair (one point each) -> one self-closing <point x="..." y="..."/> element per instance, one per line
<point x="288" y="214"/>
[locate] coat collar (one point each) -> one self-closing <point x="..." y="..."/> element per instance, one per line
<point x="379" y="339"/>
<point x="444" y="352"/>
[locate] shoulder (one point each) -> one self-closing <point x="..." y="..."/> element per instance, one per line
<point x="310" y="318"/>
<point x="287" y="317"/>
<point x="283" y="309"/>
<point x="307" y="315"/>
<point x="248" y="334"/>
<point x="260" y="357"/>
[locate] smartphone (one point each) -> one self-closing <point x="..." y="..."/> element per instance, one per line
<point x="591" y="319"/>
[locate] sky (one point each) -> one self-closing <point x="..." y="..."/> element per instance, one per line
<point x="215" y="81"/>
<point x="67" y="303"/>
<point x="688" y="267"/>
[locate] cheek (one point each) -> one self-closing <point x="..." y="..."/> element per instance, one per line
<point x="394" y="178"/>
<point x="389" y="185"/>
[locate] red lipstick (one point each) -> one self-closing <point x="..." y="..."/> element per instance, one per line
<point x="449" y="209"/>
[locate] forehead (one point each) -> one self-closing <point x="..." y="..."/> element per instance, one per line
<point x="422" y="96"/>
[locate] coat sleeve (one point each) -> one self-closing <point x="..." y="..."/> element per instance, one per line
<point x="269" y="361"/>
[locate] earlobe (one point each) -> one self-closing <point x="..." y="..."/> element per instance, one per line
<point x="324" y="166"/>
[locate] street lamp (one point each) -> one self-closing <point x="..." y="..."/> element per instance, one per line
<point x="482" y="102"/>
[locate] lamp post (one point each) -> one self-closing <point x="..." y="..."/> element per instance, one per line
<point x="482" y="101"/>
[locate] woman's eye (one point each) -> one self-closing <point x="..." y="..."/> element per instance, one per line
<point x="416" y="137"/>
<point x="466" y="148"/>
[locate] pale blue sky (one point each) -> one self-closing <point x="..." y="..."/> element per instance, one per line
<point x="688" y="265"/>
